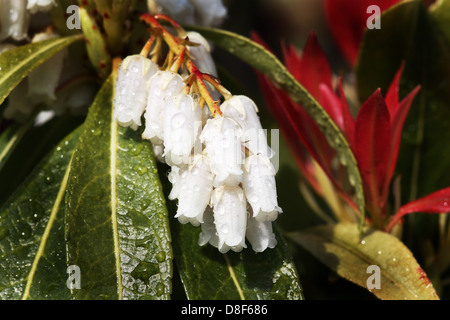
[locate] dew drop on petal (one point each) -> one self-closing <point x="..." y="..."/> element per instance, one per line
<point x="178" y="120"/>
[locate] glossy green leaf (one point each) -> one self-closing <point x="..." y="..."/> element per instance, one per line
<point x="30" y="149"/>
<point x="32" y="248"/>
<point x="266" y="63"/>
<point x="207" y="274"/>
<point x="116" y="218"/>
<point x="440" y="12"/>
<point x="10" y="138"/>
<point x="342" y="249"/>
<point x="17" y="63"/>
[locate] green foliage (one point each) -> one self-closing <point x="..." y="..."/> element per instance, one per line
<point x="82" y="190"/>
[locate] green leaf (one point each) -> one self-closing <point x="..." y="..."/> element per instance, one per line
<point x="342" y="249"/>
<point x="440" y="12"/>
<point x="10" y="138"/>
<point x="32" y="248"/>
<point x="266" y="63"/>
<point x="116" y="218"/>
<point x="30" y="149"/>
<point x="207" y="274"/>
<point x="17" y="63"/>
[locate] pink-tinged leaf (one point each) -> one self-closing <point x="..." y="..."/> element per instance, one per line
<point x="312" y="68"/>
<point x="332" y="105"/>
<point x="347" y="20"/>
<point x="397" y="122"/>
<point x="292" y="60"/>
<point x="436" y="202"/>
<point x="392" y="99"/>
<point x="301" y="128"/>
<point x="287" y="111"/>
<point x="276" y="103"/>
<point x="300" y="135"/>
<point x="373" y="143"/>
<point x="349" y="122"/>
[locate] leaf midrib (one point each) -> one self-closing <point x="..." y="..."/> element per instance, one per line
<point x="113" y="172"/>
<point x="43" y="242"/>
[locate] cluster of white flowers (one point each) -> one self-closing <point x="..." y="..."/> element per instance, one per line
<point x="221" y="172"/>
<point x="15" y="16"/>
<point x="40" y="86"/>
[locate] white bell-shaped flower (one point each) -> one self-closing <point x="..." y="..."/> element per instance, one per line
<point x="182" y="122"/>
<point x="131" y="90"/>
<point x="158" y="150"/>
<point x="14" y="19"/>
<point x="20" y="106"/>
<point x="260" y="188"/>
<point x="35" y="6"/>
<point x="210" y="13"/>
<point x="192" y="187"/>
<point x="230" y="217"/>
<point x="163" y="85"/>
<point x="222" y="139"/>
<point x="209" y="232"/>
<point x="260" y="235"/>
<point x="244" y="111"/>
<point x="201" y="53"/>
<point x="181" y="10"/>
<point x="43" y="80"/>
<point x="206" y="13"/>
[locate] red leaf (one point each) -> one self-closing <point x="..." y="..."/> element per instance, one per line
<point x="332" y="105"/>
<point x="373" y="143"/>
<point x="397" y="122"/>
<point x="312" y="68"/>
<point x="436" y="202"/>
<point x="299" y="129"/>
<point x="392" y="94"/>
<point x="349" y="122"/>
<point x="347" y="20"/>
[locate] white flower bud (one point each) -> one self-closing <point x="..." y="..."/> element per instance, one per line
<point x="244" y="111"/>
<point x="14" y="19"/>
<point x="192" y="187"/>
<point x="209" y="232"/>
<point x="230" y="217"/>
<point x="182" y="124"/>
<point x="207" y="13"/>
<point x="43" y="80"/>
<point x="221" y="137"/>
<point x="260" y="235"/>
<point x="210" y="13"/>
<point x="158" y="150"/>
<point x="131" y="90"/>
<point x="260" y="188"/>
<point x="202" y="53"/>
<point x="180" y="10"/>
<point x="163" y="85"/>
<point x="35" y="6"/>
<point x="19" y="106"/>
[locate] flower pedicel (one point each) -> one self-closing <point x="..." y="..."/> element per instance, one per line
<point x="221" y="172"/>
